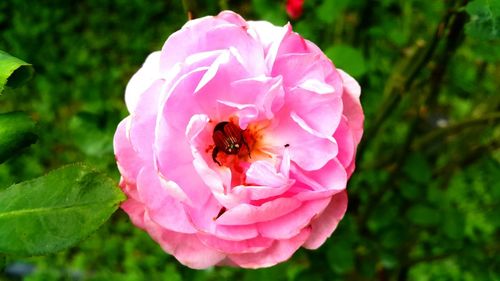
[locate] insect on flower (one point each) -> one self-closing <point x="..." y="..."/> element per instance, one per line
<point x="229" y="139"/>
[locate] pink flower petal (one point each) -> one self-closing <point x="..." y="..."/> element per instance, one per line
<point x="325" y="224"/>
<point x="266" y="93"/>
<point x="129" y="163"/>
<point x="205" y="223"/>
<point x="309" y="151"/>
<point x="187" y="248"/>
<point x="236" y="247"/>
<point x="162" y="208"/>
<point x="265" y="33"/>
<point x="352" y="105"/>
<point x="142" y="80"/>
<point x="347" y="148"/>
<point x="280" y="251"/>
<point x="331" y="177"/>
<point x="291" y="224"/>
<point x="320" y="112"/>
<point x="208" y="34"/>
<point x="232" y="17"/>
<point x="135" y="211"/>
<point x="143" y="122"/>
<point x="247" y="214"/>
<point x="264" y="181"/>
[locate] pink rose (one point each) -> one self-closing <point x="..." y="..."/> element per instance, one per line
<point x="277" y="179"/>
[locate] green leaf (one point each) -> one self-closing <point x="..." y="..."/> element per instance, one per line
<point x="423" y="215"/>
<point x="13" y="71"/>
<point x="417" y="168"/>
<point x="484" y="21"/>
<point x="347" y="58"/>
<point x="330" y="10"/>
<point x="272" y="11"/>
<point x="89" y="138"/>
<point x="341" y="256"/>
<point x="454" y="224"/>
<point x="55" y="211"/>
<point x="17" y="131"/>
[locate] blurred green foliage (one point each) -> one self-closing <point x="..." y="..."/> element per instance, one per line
<point x="424" y="200"/>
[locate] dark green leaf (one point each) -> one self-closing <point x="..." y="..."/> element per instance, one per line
<point x="411" y="190"/>
<point x="417" y="168"/>
<point x="330" y="10"/>
<point x="55" y="211"/>
<point x="388" y="260"/>
<point x="454" y="224"/>
<point x="91" y="139"/>
<point x="271" y="11"/>
<point x="13" y="71"/>
<point x="382" y="216"/>
<point x="423" y="215"/>
<point x="17" y="131"/>
<point x="341" y="255"/>
<point x="484" y="21"/>
<point x="347" y="58"/>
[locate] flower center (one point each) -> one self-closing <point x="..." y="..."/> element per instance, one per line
<point x="236" y="148"/>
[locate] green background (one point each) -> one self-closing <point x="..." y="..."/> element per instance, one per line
<point x="424" y="200"/>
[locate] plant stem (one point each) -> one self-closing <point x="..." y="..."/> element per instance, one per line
<point x="456" y="23"/>
<point x="397" y="85"/>
<point x="456" y="128"/>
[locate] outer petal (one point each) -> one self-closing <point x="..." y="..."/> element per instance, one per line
<point x="291" y="224"/>
<point x="135" y="211"/>
<point x="347" y="147"/>
<point x="129" y="163"/>
<point x="252" y="245"/>
<point x="208" y="34"/>
<point x="326" y="223"/>
<point x="280" y="251"/>
<point x="143" y="121"/>
<point x="162" y="208"/>
<point x="205" y="223"/>
<point x="142" y="80"/>
<point x="265" y="33"/>
<point x="187" y="248"/>
<point x="352" y="105"/>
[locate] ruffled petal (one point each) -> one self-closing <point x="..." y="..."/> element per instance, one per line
<point x="162" y="208"/>
<point x="135" y="211"/>
<point x="247" y="214"/>
<point x="187" y="248"/>
<point x="236" y="247"/>
<point x="347" y="147"/>
<point x="208" y="34"/>
<point x="324" y="225"/>
<point x="143" y="121"/>
<point x="280" y="251"/>
<point x="331" y="177"/>
<point x="291" y="224"/>
<point x="309" y="150"/>
<point x="142" y="80"/>
<point x="129" y="163"/>
<point x="352" y="105"/>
